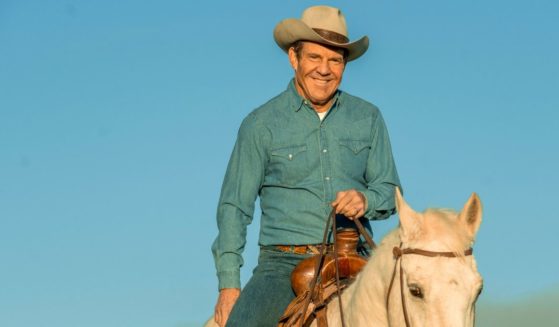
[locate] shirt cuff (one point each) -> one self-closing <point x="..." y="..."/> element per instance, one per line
<point x="229" y="279"/>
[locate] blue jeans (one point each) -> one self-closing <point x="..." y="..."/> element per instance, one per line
<point x="268" y="292"/>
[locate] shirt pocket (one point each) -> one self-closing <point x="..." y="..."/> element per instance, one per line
<point x="354" y="155"/>
<point x="288" y="165"/>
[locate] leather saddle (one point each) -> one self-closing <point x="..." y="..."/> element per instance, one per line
<point x="350" y="264"/>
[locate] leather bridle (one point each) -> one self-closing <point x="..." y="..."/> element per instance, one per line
<point x="398" y="253"/>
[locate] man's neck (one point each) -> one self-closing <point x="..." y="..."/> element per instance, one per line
<point x="322" y="108"/>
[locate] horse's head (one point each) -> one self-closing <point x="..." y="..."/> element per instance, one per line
<point x="440" y="279"/>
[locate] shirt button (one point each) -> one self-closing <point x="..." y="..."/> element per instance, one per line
<point x="327" y="178"/>
<point x="290" y="156"/>
<point x="325" y="150"/>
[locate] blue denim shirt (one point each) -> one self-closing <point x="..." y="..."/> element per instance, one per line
<point x="296" y="164"/>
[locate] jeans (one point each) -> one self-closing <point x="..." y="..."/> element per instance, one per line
<point x="268" y="292"/>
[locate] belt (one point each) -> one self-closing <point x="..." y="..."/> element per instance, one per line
<point x="298" y="249"/>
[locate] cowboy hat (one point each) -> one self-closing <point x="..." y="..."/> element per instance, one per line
<point x="321" y="24"/>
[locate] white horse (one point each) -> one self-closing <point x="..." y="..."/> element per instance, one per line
<point x="439" y="284"/>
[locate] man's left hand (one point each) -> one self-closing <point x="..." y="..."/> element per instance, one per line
<point x="350" y="203"/>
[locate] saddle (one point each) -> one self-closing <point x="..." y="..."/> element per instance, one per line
<point x="308" y="306"/>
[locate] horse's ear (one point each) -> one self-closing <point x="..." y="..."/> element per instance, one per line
<point x="409" y="219"/>
<point x="399" y="199"/>
<point x="470" y="215"/>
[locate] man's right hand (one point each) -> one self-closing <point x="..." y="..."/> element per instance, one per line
<point x="225" y="302"/>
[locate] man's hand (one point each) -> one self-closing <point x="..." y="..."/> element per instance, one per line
<point x="225" y="302"/>
<point x="350" y="203"/>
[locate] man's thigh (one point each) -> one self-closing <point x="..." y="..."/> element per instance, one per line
<point x="267" y="293"/>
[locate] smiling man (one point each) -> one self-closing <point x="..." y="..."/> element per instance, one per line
<point x="308" y="150"/>
<point x="318" y="72"/>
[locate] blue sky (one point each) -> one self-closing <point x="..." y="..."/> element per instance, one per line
<point x="117" y="119"/>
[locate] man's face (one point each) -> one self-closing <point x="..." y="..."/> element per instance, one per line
<point x="318" y="73"/>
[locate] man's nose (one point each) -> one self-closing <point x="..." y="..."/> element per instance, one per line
<point x="324" y="67"/>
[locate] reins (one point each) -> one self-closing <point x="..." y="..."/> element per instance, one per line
<point x="398" y="253"/>
<point x="317" y="268"/>
<point x="320" y="262"/>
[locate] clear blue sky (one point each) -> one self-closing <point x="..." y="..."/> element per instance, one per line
<point x="117" y="119"/>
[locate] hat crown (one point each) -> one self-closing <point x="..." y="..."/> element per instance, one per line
<point x="325" y="18"/>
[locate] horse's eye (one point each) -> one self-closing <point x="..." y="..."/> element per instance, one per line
<point x="416" y="291"/>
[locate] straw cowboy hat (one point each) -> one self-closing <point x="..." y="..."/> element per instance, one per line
<point x="321" y="24"/>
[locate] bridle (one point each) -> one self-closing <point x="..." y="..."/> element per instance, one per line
<point x="398" y="253"/>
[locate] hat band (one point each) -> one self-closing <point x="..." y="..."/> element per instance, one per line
<point x="331" y="36"/>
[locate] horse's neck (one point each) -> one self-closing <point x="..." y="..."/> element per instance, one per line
<point x="364" y="302"/>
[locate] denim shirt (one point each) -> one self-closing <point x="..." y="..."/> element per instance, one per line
<point x="296" y="164"/>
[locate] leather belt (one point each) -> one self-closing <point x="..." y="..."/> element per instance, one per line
<point x="298" y="249"/>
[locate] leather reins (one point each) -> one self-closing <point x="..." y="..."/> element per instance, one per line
<point x="398" y="253"/>
<point x="320" y="261"/>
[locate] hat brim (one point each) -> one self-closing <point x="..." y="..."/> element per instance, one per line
<point x="291" y="30"/>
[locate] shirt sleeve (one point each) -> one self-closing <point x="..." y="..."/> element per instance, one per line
<point x="243" y="179"/>
<point x="381" y="175"/>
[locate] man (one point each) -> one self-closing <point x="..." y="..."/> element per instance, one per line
<point x="308" y="150"/>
